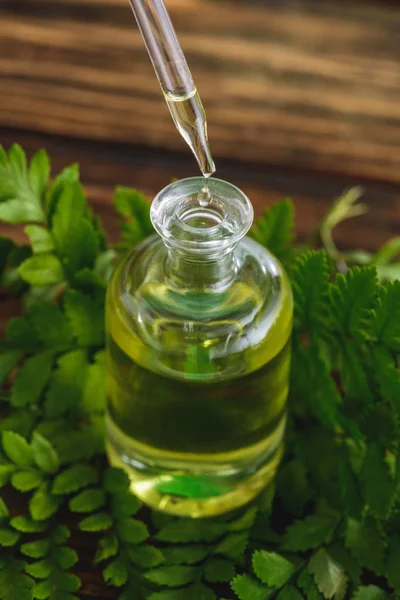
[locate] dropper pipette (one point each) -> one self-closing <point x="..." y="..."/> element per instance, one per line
<point x="175" y="78"/>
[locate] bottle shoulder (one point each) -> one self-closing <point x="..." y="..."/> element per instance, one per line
<point x="161" y="325"/>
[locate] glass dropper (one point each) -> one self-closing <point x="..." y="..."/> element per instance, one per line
<point x="175" y="78"/>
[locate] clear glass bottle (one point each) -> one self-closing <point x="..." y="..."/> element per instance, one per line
<point x="198" y="328"/>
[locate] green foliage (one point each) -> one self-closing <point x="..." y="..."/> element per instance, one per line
<point x="50" y="570"/>
<point x="333" y="528"/>
<point x="274" y="229"/>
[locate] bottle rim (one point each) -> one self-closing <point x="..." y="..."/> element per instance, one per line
<point x="189" y="220"/>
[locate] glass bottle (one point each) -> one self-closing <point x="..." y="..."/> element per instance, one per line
<point x="198" y="328"/>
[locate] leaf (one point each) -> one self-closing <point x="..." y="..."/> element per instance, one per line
<point x="116" y="572"/>
<point x="36" y="549"/>
<point x="146" y="556"/>
<point x="43" y="504"/>
<point x="124" y="504"/>
<point x="109" y="547"/>
<point x="274" y="229"/>
<point x="65" y="557"/>
<point x="56" y="587"/>
<point x="8" y="537"/>
<point x="313" y="531"/>
<point x="69" y="175"/>
<point x="245" y="521"/>
<point x="180" y="555"/>
<point x="365" y="543"/>
<point x="233" y="545"/>
<point x="328" y="575"/>
<point x="352" y="299"/>
<point x="5" y="473"/>
<point x="17" y="449"/>
<point x="69" y="209"/>
<point x="21" y="194"/>
<point x="8" y="360"/>
<point x="293" y="486"/>
<point x="379" y="485"/>
<point x="94" y="390"/>
<point x="186" y="530"/>
<point x="132" y="205"/>
<point x="31" y="379"/>
<point x="3" y="509"/>
<point x="386" y="325"/>
<point x="27" y="525"/>
<point x="306" y="582"/>
<point x="24" y="481"/>
<point x="14" y="585"/>
<point x="354" y="371"/>
<point x="393" y="562"/>
<point x="273" y="570"/>
<point x="87" y="501"/>
<point x="98" y="522"/>
<point x="21" y="334"/>
<point x="311" y="372"/>
<point x="219" y="570"/>
<point x="192" y="592"/>
<point x="44" y="454"/>
<point x="289" y="592"/>
<point x="66" y="384"/>
<point x="51" y="325"/>
<point x="247" y="588"/>
<point x="115" y="480"/>
<point x="370" y="592"/>
<point x="42" y="269"/>
<point x="132" y="531"/>
<point x="309" y="278"/>
<point x="40" y="569"/>
<point x="39" y="173"/>
<point x="75" y="478"/>
<point x="172" y="576"/>
<point x="86" y="318"/>
<point x="40" y="239"/>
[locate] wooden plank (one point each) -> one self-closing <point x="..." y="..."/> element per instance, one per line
<point x="305" y="84"/>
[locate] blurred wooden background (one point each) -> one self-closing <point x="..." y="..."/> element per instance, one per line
<point x="302" y="97"/>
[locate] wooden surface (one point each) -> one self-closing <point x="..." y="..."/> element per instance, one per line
<point x="305" y="84"/>
<point x="309" y="104"/>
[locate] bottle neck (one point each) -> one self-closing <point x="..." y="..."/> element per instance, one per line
<point x="191" y="272"/>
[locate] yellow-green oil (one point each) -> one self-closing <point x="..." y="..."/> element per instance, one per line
<point x="197" y="435"/>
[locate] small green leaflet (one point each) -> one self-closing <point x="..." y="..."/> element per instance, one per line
<point x="274" y="229"/>
<point x="134" y="207"/>
<point x="86" y="317"/>
<point x="17" y="449"/>
<point x="40" y="239"/>
<point x="247" y="588"/>
<point x="42" y="269"/>
<point x="328" y="575"/>
<point x="364" y="541"/>
<point x="313" y="531"/>
<point x="271" y="568"/>
<point x="393" y="562"/>
<point x="22" y="189"/>
<point x="379" y="484"/>
<point x="31" y="379"/>
<point x="370" y="592"/>
<point x="309" y="278"/>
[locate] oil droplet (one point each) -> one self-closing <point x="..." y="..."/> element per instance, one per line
<point x="204" y="196"/>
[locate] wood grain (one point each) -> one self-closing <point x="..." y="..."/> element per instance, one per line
<point x="300" y="84"/>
